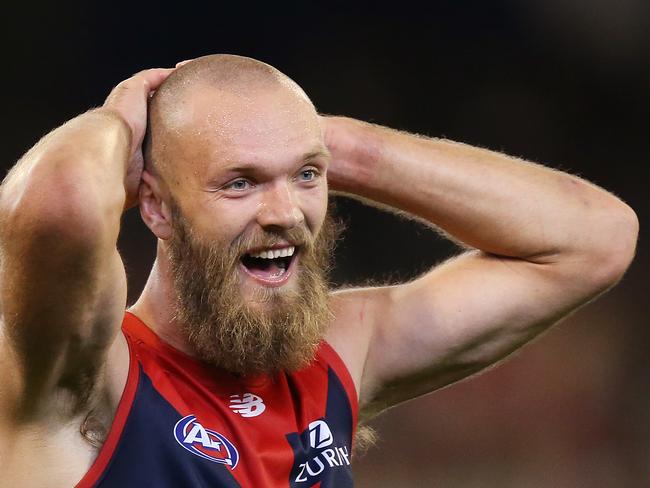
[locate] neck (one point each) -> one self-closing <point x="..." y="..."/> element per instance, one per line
<point x="155" y="307"/>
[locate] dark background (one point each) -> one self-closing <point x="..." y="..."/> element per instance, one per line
<point x="561" y="82"/>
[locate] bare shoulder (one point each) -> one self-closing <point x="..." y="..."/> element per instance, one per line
<point x="351" y="331"/>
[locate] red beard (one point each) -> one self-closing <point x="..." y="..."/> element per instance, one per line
<point x="277" y="330"/>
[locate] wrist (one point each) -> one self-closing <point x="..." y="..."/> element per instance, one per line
<point x="125" y="129"/>
<point x="356" y="149"/>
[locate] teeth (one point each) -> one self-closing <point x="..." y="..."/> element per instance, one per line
<point x="275" y="253"/>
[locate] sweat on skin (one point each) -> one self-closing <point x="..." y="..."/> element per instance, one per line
<point x="536" y="253"/>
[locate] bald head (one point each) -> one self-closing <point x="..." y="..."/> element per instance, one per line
<point x="202" y="100"/>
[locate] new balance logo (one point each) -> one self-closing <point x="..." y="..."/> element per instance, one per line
<point x="248" y="405"/>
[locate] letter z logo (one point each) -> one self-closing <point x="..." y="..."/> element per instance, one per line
<point x="320" y="434"/>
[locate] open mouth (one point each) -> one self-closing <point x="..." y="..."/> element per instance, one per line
<point x="272" y="265"/>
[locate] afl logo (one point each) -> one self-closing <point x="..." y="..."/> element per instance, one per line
<point x="205" y="443"/>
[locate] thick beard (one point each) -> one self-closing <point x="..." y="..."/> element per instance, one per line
<point x="282" y="332"/>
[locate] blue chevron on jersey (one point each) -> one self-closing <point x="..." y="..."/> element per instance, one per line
<point x="322" y="450"/>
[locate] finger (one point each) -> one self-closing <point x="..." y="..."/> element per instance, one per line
<point x="144" y="81"/>
<point x="155" y="76"/>
<point x="181" y="63"/>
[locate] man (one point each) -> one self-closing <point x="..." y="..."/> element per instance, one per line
<point x="219" y="375"/>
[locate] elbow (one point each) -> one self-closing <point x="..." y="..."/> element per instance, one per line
<point x="618" y="241"/>
<point x="65" y="216"/>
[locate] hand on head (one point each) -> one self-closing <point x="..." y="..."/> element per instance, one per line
<point x="129" y="100"/>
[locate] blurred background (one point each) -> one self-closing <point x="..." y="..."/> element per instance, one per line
<point x="561" y="82"/>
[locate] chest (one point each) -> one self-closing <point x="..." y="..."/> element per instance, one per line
<point x="186" y="429"/>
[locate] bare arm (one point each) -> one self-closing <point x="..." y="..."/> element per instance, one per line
<point x="63" y="286"/>
<point x="544" y="243"/>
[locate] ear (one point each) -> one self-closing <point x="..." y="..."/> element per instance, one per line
<point x="153" y="209"/>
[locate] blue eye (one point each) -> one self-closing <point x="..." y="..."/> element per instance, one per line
<point x="308" y="175"/>
<point x="238" y="185"/>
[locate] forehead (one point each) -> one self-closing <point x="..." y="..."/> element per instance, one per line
<point x="217" y="127"/>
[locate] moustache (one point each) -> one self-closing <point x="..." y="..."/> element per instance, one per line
<point x="262" y="239"/>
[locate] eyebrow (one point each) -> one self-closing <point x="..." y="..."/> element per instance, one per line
<point x="320" y="151"/>
<point x="241" y="166"/>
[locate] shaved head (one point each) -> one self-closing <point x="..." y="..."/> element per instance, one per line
<point x="179" y="112"/>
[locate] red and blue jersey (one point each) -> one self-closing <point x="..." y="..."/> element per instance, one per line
<point x="181" y="423"/>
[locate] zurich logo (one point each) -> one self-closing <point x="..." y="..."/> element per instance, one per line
<point x="323" y="456"/>
<point x="320" y="434"/>
<point x="205" y="443"/>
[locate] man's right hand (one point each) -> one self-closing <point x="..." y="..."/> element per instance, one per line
<point x="129" y="100"/>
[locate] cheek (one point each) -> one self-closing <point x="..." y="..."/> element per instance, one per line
<point x="314" y="207"/>
<point x="225" y="220"/>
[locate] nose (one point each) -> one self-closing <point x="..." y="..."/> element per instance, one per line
<point x="279" y="208"/>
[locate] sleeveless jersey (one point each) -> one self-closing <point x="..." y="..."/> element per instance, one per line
<point x="181" y="423"/>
